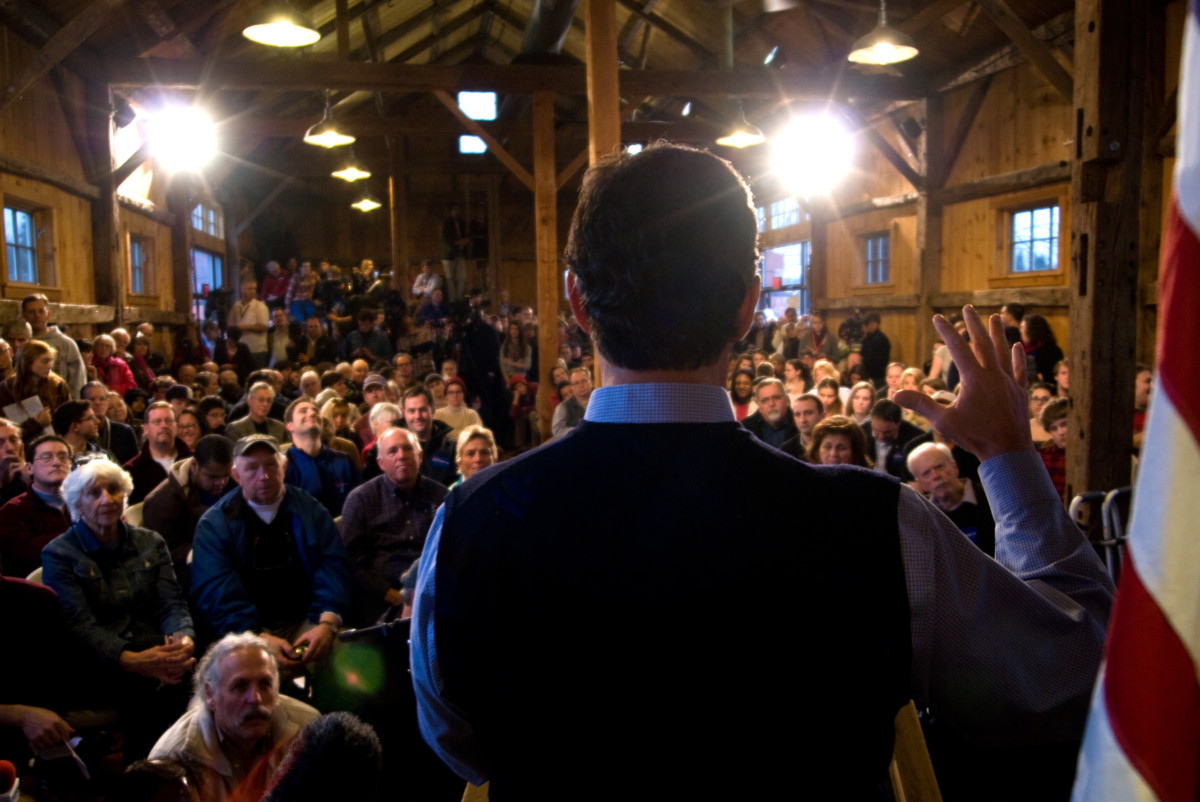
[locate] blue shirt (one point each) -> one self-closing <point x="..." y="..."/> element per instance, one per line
<point x="1046" y="597"/>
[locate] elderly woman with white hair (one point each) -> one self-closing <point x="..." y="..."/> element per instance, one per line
<point x="123" y="604"/>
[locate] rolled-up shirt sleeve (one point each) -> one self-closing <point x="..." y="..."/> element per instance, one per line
<point x="1006" y="650"/>
<point x="442" y="725"/>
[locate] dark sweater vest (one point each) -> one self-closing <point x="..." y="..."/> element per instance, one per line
<point x="644" y="611"/>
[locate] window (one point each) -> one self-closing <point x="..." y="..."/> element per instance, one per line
<point x="208" y="274"/>
<point x="785" y="213"/>
<point x="207" y="219"/>
<point x="875" y="252"/>
<point x="471" y="144"/>
<point x="141" y="264"/>
<point x="20" y="239"/>
<point x="1034" y="240"/>
<point x="478" y="105"/>
<point x="785" y="276"/>
<point x="760" y="214"/>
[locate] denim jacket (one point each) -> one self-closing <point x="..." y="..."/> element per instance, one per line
<point x="118" y="598"/>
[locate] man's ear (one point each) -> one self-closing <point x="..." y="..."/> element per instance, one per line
<point x="576" y="303"/>
<point x="749" y="304"/>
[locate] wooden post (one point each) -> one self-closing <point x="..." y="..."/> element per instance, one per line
<point x="107" y="250"/>
<point x="604" y="98"/>
<point x="1153" y="91"/>
<point x="928" y="257"/>
<point x="179" y="204"/>
<point x="494" y="234"/>
<point x="818" y="254"/>
<point x="545" y="210"/>
<point x="1110" y="65"/>
<point x="398" y="211"/>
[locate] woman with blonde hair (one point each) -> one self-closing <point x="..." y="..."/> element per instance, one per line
<point x="862" y="398"/>
<point x="476" y="451"/>
<point x="35" y="377"/>
<point x="828" y="390"/>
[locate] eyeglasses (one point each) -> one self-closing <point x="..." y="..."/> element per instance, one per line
<point x="84" y="459"/>
<point x="1041" y="399"/>
<point x="46" y="459"/>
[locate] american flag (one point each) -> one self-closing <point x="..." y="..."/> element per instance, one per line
<point x="1143" y="736"/>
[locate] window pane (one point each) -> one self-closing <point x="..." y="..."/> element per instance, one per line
<point x="471" y="144"/>
<point x="1041" y="255"/>
<point x="1021" y="226"/>
<point x="478" y="105"/>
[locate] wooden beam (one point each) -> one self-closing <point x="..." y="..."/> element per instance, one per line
<point x="886" y="150"/>
<point x="1111" y="54"/>
<point x="1040" y="297"/>
<point x="48" y="175"/>
<point x="927" y="256"/>
<point x="895" y="301"/>
<point x="494" y="147"/>
<point x="68" y="37"/>
<point x="263" y="205"/>
<point x="959" y="137"/>
<point x="574" y="166"/>
<point x="604" y="97"/>
<point x="73" y="113"/>
<point x="179" y="204"/>
<point x="1055" y="33"/>
<point x="927" y="16"/>
<point x="108" y="263"/>
<point x="1016" y="30"/>
<point x="342" y="19"/>
<point x="1004" y="183"/>
<point x="146" y="209"/>
<point x="545" y="216"/>
<point x="135" y="160"/>
<point x="159" y="21"/>
<point x="515" y="78"/>
<point x="398" y="214"/>
<point x="467" y="17"/>
<point x="872" y="205"/>
<point x="669" y="29"/>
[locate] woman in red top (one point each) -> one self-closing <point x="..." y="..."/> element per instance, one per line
<point x="113" y="371"/>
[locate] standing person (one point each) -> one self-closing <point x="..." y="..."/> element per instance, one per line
<point x="252" y="318"/>
<point x="274" y="286"/>
<point x="67" y="363"/>
<point x="530" y="707"/>
<point x="1041" y="347"/>
<point x="299" y="299"/>
<point x="876" y="350"/>
<point x="456" y="245"/>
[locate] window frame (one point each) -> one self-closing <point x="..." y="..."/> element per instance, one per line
<point x="864" y="246"/>
<point x="199" y="306"/>
<point x="1005" y="209"/>
<point x="803" y="287"/>
<point x="135" y="241"/>
<point x="44" y="247"/>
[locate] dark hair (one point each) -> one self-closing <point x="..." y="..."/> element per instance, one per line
<point x="366" y="314"/>
<point x="335" y="739"/>
<point x="419" y="390"/>
<point x="149" y="779"/>
<point x="291" y="408"/>
<point x="37" y="296"/>
<point x="1056" y="409"/>
<point x="1039" y="330"/>
<point x="871" y="317"/>
<point x="733" y="381"/>
<point x="1017" y="311"/>
<point x="31" y="449"/>
<point x="68" y="412"/>
<point x="663" y="250"/>
<point x="840" y="424"/>
<point x="887" y="409"/>
<point x="330" y="378"/>
<point x="811" y="396"/>
<point x="213" y="448"/>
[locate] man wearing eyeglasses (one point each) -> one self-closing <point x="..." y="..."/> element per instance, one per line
<point x="116" y="438"/>
<point x="77" y="424"/>
<point x="34" y="518"/>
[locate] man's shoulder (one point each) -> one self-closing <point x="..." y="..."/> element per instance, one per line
<point x="370" y="489"/>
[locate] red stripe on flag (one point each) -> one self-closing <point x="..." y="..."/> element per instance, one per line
<point x="1151" y="693"/>
<point x="1179" y="319"/>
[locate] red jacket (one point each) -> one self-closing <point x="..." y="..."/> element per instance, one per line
<point x="26" y="525"/>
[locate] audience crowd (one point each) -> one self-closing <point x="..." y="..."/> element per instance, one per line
<point x="270" y="481"/>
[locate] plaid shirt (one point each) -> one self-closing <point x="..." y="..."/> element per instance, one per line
<point x="1055" y="460"/>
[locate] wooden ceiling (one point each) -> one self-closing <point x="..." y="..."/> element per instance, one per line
<point x="392" y="52"/>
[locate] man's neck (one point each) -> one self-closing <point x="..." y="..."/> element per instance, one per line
<point x="47" y="490"/>
<point x="611" y="374"/>
<point x="806" y="440"/>
<point x="78" y="444"/>
<point x="39" y="332"/>
<point x="309" y="445"/>
<point x="158" y="453"/>
<point x="950" y="498"/>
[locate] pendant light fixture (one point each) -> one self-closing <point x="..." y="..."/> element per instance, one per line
<point x="280" y="25"/>
<point x="326" y="133"/>
<point x="350" y="171"/>
<point x="367" y="202"/>
<point x="884" y="45"/>
<point x="741" y="134"/>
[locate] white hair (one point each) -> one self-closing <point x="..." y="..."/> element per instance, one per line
<point x="924" y="449"/>
<point x="90" y="473"/>
<point x="208" y="670"/>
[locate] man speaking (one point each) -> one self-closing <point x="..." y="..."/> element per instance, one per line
<point x="679" y="634"/>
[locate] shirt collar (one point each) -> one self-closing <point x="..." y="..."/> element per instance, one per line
<point x="659" y="403"/>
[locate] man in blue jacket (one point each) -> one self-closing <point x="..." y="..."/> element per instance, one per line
<point x="268" y="558"/>
<point x="325" y="473"/>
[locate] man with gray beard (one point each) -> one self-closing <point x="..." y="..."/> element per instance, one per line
<point x="773" y="422"/>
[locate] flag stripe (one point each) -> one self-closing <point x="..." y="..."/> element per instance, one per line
<point x="1104" y="773"/>
<point x="1179" y="320"/>
<point x="1151" y="693"/>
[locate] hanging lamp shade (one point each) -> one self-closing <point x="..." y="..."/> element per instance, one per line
<point x="280" y="25"/>
<point x="884" y="45"/>
<point x="367" y="202"/>
<point x="349" y="170"/>
<point x="326" y="133"/>
<point x="742" y="134"/>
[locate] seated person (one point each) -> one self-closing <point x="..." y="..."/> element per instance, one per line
<point x="258" y="420"/>
<point x="773" y="422"/>
<point x="1054" y="453"/>
<point x="193" y="485"/>
<point x="13" y="470"/>
<point x="385" y="521"/>
<point x="1040" y="394"/>
<point x="238" y="726"/>
<point x="267" y="557"/>
<point x="76" y="423"/>
<point x="122" y="603"/>
<point x="838" y="440"/>
<point x="327" y="474"/>
<point x="37" y="516"/>
<point x="962" y="500"/>
<point x="160" y="451"/>
<point x="383" y="417"/>
<point x="116" y="438"/>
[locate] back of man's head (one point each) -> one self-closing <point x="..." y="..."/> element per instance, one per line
<point x="213" y="449"/>
<point x="68" y="413"/>
<point x="663" y="250"/>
